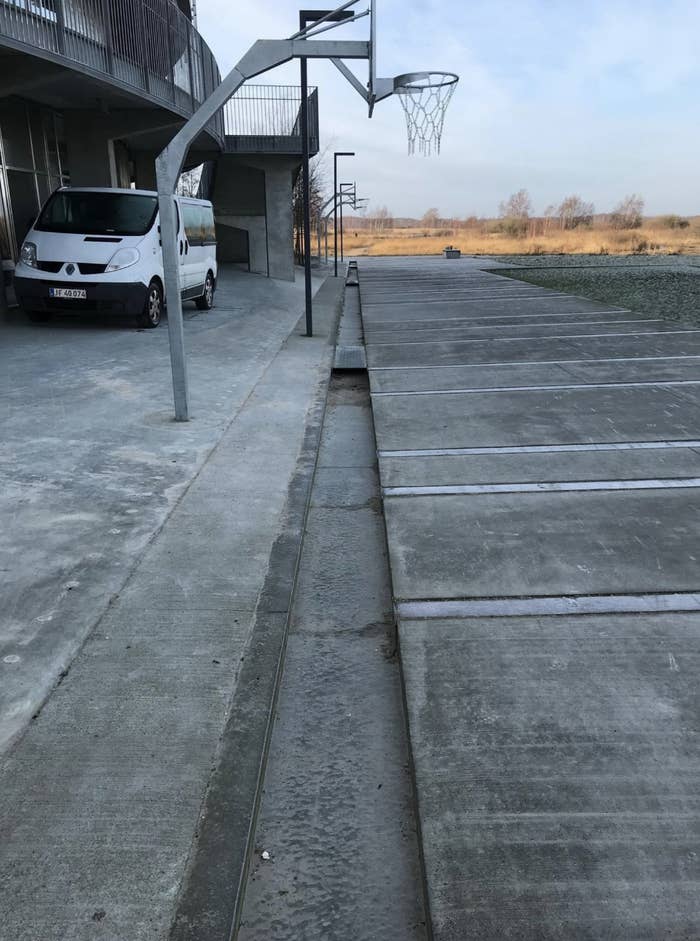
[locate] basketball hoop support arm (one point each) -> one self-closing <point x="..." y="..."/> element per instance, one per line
<point x="263" y="55"/>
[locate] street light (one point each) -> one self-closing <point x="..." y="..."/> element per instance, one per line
<point x="338" y="153"/>
<point x="350" y="190"/>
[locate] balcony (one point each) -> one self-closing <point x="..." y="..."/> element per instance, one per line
<point x="266" y="119"/>
<point x="149" y="46"/>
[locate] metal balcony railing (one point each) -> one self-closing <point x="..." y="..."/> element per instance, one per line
<point x="267" y="119"/>
<point x="149" y="45"/>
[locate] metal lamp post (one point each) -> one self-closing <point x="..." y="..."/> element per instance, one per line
<point x="338" y="153"/>
<point x="348" y="191"/>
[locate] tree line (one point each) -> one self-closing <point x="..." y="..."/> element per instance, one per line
<point x="516" y="212"/>
<point x="516" y="217"/>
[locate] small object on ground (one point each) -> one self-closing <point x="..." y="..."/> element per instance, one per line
<point x="451" y="252"/>
<point x="265" y="855"/>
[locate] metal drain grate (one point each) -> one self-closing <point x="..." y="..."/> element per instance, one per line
<point x="350" y="357"/>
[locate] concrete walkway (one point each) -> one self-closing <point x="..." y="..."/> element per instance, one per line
<point x="540" y="464"/>
<point x="163" y="557"/>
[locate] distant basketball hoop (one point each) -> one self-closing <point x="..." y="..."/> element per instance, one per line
<point x="425" y="97"/>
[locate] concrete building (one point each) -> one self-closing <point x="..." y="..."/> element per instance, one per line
<point x="91" y="91"/>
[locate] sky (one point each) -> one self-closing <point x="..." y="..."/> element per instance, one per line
<point x="594" y="97"/>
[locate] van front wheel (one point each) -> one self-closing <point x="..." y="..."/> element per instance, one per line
<point x="206" y="301"/>
<point x="153" y="306"/>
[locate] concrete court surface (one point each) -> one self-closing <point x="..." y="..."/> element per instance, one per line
<point x="540" y="464"/>
<point x="134" y="552"/>
<point x="92" y="462"/>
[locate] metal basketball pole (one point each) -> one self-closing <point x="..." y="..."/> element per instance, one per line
<point x="263" y="55"/>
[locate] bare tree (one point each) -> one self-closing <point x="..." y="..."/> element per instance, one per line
<point x="431" y="218"/>
<point x="515" y="213"/>
<point x="188" y="184"/>
<point x="517" y="206"/>
<point x="549" y="214"/>
<point x="317" y="189"/>
<point x="573" y="212"/>
<point x="629" y="213"/>
<point x="381" y="219"/>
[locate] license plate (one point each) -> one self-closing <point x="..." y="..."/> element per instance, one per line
<point x="75" y="294"/>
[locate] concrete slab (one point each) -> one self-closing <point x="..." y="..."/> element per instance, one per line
<point x="447" y="353"/>
<point x="484" y="419"/>
<point x="556" y="763"/>
<point x="542" y="466"/>
<point x="536" y="374"/>
<point x="510" y="545"/>
<point x="487" y="306"/>
<point x="416" y="329"/>
<point x="502" y="334"/>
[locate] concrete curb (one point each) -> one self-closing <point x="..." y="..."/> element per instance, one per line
<point x="211" y="898"/>
<point x="404" y="693"/>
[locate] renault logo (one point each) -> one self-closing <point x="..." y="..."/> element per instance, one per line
<point x="70" y="268"/>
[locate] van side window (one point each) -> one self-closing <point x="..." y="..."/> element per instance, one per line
<point x="209" y="226"/>
<point x="192" y="217"/>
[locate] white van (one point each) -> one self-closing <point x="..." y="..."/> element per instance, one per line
<point x="99" y="249"/>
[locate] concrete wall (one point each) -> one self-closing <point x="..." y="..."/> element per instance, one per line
<point x="255" y="194"/>
<point x="92" y="156"/>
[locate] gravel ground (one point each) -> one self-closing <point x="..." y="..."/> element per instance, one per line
<point x="665" y="285"/>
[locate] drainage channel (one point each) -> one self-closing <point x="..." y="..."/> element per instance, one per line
<point x="336" y="850"/>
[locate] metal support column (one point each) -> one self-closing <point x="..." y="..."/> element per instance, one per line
<point x="305" y="189"/>
<point x="338" y="153"/>
<point x="335" y="215"/>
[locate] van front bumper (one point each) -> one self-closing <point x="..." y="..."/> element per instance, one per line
<point x="117" y="298"/>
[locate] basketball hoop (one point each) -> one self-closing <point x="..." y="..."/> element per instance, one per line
<point x="425" y="97"/>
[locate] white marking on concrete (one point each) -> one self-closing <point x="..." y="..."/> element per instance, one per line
<point x="508" y="326"/>
<point x="556" y="336"/>
<point x="11" y="658"/>
<point x="541" y="362"/>
<point x="544" y="448"/>
<point x="552" y="388"/>
<point x="673" y="663"/>
<point x="371" y="324"/>
<point x="446" y="296"/>
<point x="552" y="605"/>
<point x="558" y="486"/>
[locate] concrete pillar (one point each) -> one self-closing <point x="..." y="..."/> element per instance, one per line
<point x="280" y="233"/>
<point x="3" y="292"/>
<point x="254" y="193"/>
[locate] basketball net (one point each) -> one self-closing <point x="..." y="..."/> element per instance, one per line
<point x="425" y="105"/>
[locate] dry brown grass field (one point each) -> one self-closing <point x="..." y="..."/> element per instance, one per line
<point x="652" y="238"/>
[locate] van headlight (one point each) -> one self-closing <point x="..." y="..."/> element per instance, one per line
<point x="28" y="254"/>
<point x="123" y="258"/>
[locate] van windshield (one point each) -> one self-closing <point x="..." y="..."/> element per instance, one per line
<point x="87" y="213"/>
